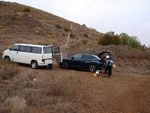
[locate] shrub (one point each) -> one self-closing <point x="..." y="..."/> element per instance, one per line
<point x="84" y="25"/>
<point x="67" y="29"/>
<point x="72" y="35"/>
<point x="85" y="42"/>
<point x="58" y="26"/>
<point x="109" y="38"/>
<point x="26" y="10"/>
<point x="129" y="40"/>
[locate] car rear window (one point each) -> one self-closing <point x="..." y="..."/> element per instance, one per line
<point x="86" y="57"/>
<point x="95" y="58"/>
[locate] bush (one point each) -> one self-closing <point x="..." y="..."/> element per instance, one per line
<point x="58" y="26"/>
<point x="109" y="38"/>
<point x="67" y="29"/>
<point x="26" y="10"/>
<point x="72" y="35"/>
<point x="84" y="25"/>
<point x="129" y="40"/>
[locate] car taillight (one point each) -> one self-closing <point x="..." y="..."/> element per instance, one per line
<point x="43" y="60"/>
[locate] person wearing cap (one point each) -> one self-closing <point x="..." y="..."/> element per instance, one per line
<point x="108" y="67"/>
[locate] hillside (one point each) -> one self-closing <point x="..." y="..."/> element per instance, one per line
<point x="23" y="24"/>
<point x="39" y="27"/>
<point x="26" y="90"/>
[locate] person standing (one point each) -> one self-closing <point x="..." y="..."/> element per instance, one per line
<point x="108" y="67"/>
<point x="111" y="58"/>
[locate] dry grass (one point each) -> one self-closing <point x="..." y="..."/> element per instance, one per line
<point x="24" y="88"/>
<point x="17" y="104"/>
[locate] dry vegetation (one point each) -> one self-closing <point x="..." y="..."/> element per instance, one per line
<point x="19" y="25"/>
<point x="24" y="90"/>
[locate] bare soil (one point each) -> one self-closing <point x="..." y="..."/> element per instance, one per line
<point x="124" y="93"/>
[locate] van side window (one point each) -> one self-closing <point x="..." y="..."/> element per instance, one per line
<point x="28" y="49"/>
<point x="36" y="50"/>
<point x="14" y="48"/>
<point x="48" y="50"/>
<point x="22" y="48"/>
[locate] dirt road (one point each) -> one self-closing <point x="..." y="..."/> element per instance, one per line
<point x="126" y="93"/>
<point x="72" y="91"/>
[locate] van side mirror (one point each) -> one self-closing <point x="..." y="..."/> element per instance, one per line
<point x="72" y="57"/>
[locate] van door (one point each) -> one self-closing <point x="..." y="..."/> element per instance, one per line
<point x="13" y="53"/>
<point x="57" y="54"/>
<point x="47" y="55"/>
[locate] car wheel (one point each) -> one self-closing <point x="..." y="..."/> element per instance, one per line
<point x="7" y="59"/>
<point x="64" y="65"/>
<point x="34" y="64"/>
<point x="92" y="68"/>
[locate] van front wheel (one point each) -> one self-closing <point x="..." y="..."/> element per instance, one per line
<point x="7" y="59"/>
<point x="34" y="64"/>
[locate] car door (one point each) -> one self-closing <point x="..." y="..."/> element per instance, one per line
<point x="76" y="61"/>
<point x="86" y="60"/>
<point x="57" y="54"/>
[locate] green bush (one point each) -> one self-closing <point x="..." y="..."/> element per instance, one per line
<point x="26" y="10"/>
<point x="129" y="40"/>
<point x="67" y="29"/>
<point x="109" y="38"/>
<point x="84" y="25"/>
<point x="58" y="26"/>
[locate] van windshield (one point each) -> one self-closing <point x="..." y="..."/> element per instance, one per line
<point x="48" y="49"/>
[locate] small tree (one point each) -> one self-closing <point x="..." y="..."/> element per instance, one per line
<point x="109" y="38"/>
<point x="26" y="10"/>
<point x="129" y="40"/>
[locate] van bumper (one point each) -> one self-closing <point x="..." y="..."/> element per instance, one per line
<point x="46" y="63"/>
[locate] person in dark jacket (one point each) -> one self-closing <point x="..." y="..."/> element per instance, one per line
<point x="108" y="68"/>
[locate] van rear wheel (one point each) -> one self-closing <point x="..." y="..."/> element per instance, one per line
<point x="34" y="64"/>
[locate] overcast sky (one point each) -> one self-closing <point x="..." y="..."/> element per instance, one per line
<point x="128" y="16"/>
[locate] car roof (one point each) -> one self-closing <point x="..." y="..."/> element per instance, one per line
<point x="31" y="45"/>
<point x="90" y="54"/>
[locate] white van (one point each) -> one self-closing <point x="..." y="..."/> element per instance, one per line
<point x="35" y="55"/>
